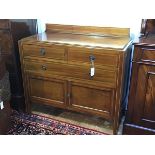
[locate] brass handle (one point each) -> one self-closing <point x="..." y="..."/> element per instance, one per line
<point x="43" y="67"/>
<point x="42" y="51"/>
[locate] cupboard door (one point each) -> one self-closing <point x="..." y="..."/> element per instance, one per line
<point x="91" y="99"/>
<point x="47" y="91"/>
<point x="144" y="104"/>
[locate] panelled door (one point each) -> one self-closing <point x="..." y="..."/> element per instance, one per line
<point x="144" y="102"/>
<point x="91" y="99"/>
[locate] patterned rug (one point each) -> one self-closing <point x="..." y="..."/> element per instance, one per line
<point x="25" y="124"/>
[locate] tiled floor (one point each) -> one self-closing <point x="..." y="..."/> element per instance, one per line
<point x="88" y="121"/>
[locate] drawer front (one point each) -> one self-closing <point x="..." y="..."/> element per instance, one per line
<point x="144" y="55"/>
<point x="73" y="71"/>
<point x="4" y="24"/>
<point x="53" y="52"/>
<point x="148" y="55"/>
<point x="101" y="57"/>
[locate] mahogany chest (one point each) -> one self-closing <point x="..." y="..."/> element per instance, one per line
<point x="140" y="118"/>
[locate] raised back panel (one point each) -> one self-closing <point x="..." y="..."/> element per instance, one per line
<point x="88" y="30"/>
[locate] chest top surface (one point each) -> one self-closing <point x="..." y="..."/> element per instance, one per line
<point x="107" y="39"/>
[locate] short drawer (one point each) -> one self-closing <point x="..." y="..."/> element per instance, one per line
<point x="54" y="52"/>
<point x="144" y="54"/>
<point x="72" y="71"/>
<point x="148" y="55"/>
<point x="101" y="57"/>
<point x="4" y="24"/>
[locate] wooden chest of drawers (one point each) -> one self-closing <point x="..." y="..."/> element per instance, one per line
<point x="140" y="118"/>
<point x="58" y="68"/>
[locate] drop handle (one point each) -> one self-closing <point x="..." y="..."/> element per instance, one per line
<point x="92" y="66"/>
<point x="42" y="52"/>
<point x="43" y="67"/>
<point x="92" y="58"/>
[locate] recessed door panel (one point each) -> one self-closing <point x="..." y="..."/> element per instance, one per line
<point x="91" y="99"/>
<point x="50" y="91"/>
<point x="145" y="96"/>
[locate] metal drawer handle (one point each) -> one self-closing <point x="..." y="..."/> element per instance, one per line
<point x="43" y="67"/>
<point x="42" y="51"/>
<point x="92" y="58"/>
<point x="92" y="66"/>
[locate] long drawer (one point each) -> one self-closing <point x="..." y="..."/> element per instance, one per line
<point x="53" y="51"/>
<point x="72" y="71"/>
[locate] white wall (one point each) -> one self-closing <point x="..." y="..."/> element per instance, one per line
<point x="133" y="24"/>
<point x="118" y="13"/>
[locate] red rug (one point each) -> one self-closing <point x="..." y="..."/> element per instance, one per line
<point x="25" y="124"/>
